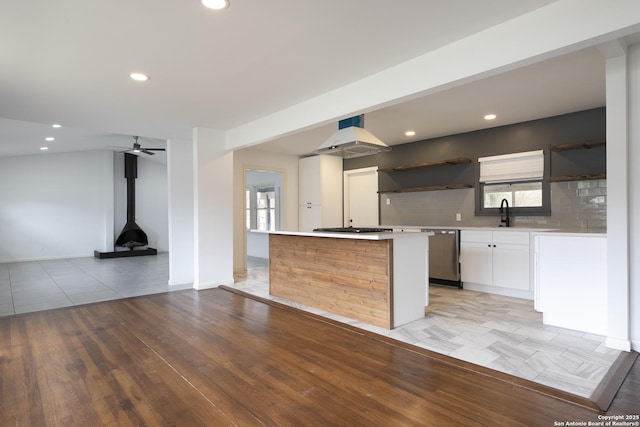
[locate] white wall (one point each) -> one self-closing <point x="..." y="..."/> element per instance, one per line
<point x="257" y="244"/>
<point x="71" y="204"/>
<point x="214" y="214"/>
<point x="181" y="232"/>
<point x="634" y="194"/>
<point x="151" y="202"/>
<point x="55" y="205"/>
<point x="250" y="158"/>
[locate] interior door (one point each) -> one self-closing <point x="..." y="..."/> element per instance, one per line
<point x="361" y="198"/>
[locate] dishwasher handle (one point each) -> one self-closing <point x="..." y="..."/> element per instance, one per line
<point x="440" y="231"/>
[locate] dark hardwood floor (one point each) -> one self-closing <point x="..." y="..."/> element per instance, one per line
<point x="627" y="400"/>
<point x="214" y="357"/>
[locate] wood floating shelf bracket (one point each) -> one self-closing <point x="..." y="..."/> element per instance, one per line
<point x="449" y="162"/>
<point x="429" y="188"/>
<point x="587" y="177"/>
<point x="579" y="145"/>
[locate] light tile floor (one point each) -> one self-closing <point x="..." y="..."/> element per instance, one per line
<point x="501" y="333"/>
<point x="42" y="285"/>
<point x="498" y="332"/>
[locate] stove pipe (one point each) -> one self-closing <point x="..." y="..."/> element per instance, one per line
<point x="131" y="235"/>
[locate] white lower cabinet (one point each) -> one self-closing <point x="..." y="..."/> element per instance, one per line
<point x="476" y="262"/>
<point x="496" y="261"/>
<point x="511" y="266"/>
<point x="571" y="275"/>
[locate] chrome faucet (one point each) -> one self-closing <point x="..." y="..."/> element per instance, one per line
<point x="504" y="219"/>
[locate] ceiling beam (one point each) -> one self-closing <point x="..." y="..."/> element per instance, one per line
<point x="559" y="28"/>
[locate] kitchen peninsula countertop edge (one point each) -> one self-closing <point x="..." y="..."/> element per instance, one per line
<point x="386" y="235"/>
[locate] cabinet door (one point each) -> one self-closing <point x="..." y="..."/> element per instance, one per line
<point x="309" y="181"/>
<point x="310" y="217"/>
<point x="476" y="263"/>
<point x="511" y="266"/>
<point x="478" y="236"/>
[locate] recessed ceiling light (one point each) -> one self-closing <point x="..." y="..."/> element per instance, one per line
<point x="410" y="133"/>
<point x="44" y="148"/>
<point x="55" y="125"/>
<point x="490" y="117"/>
<point x="49" y="138"/>
<point x="139" y="77"/>
<point x="216" y="4"/>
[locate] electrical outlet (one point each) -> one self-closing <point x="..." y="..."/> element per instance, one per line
<point x="458" y="217"/>
<point x="388" y="201"/>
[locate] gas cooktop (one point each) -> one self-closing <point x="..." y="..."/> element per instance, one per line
<point x="353" y="230"/>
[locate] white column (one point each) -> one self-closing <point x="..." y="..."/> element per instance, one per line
<point x="617" y="198"/>
<point x="213" y="209"/>
<point x="180" y="199"/>
<point x="634" y="192"/>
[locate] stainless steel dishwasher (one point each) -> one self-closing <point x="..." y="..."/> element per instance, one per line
<point x="444" y="263"/>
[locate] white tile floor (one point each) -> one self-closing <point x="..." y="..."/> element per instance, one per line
<point x="42" y="285"/>
<point x="501" y="333"/>
<point x="498" y="332"/>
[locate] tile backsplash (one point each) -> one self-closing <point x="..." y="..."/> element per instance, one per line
<point x="575" y="205"/>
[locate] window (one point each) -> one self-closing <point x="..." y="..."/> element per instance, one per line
<point x="518" y="194"/>
<point x="266" y="208"/>
<point x="248" y="205"/>
<point x="517" y="178"/>
<point x="262" y="208"/>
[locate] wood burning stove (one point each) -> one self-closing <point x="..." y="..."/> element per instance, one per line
<point x="131" y="236"/>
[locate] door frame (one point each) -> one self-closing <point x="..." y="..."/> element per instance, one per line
<point x="242" y="269"/>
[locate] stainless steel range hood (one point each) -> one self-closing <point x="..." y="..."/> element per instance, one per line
<point x="352" y="140"/>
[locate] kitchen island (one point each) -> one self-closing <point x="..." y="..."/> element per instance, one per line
<point x="376" y="278"/>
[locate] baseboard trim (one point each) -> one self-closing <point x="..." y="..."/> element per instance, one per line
<point x="618" y="344"/>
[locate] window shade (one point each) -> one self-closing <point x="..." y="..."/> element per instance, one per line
<point x="524" y="166"/>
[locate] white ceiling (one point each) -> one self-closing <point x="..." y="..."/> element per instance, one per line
<point x="68" y="62"/>
<point x="570" y="83"/>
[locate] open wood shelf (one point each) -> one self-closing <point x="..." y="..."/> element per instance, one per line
<point x="586" y="177"/>
<point x="456" y="161"/>
<point x="430" y="188"/>
<point x="579" y="145"/>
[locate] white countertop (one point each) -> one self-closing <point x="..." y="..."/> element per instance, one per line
<point x="397" y="228"/>
<point x="570" y="233"/>
<point x="338" y="235"/>
<point x="399" y="231"/>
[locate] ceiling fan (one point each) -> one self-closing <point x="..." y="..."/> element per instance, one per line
<point x="139" y="149"/>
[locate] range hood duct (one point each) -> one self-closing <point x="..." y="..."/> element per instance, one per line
<point x="352" y="140"/>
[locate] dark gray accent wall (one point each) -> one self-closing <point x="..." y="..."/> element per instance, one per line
<point x="533" y="135"/>
<point x="575" y="205"/>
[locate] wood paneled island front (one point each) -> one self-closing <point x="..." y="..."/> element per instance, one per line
<point x="376" y="278"/>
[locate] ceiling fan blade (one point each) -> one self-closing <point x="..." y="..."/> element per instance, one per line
<point x="145" y="151"/>
<point x="155" y="149"/>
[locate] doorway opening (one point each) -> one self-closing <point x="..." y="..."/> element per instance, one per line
<point x="263" y="212"/>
